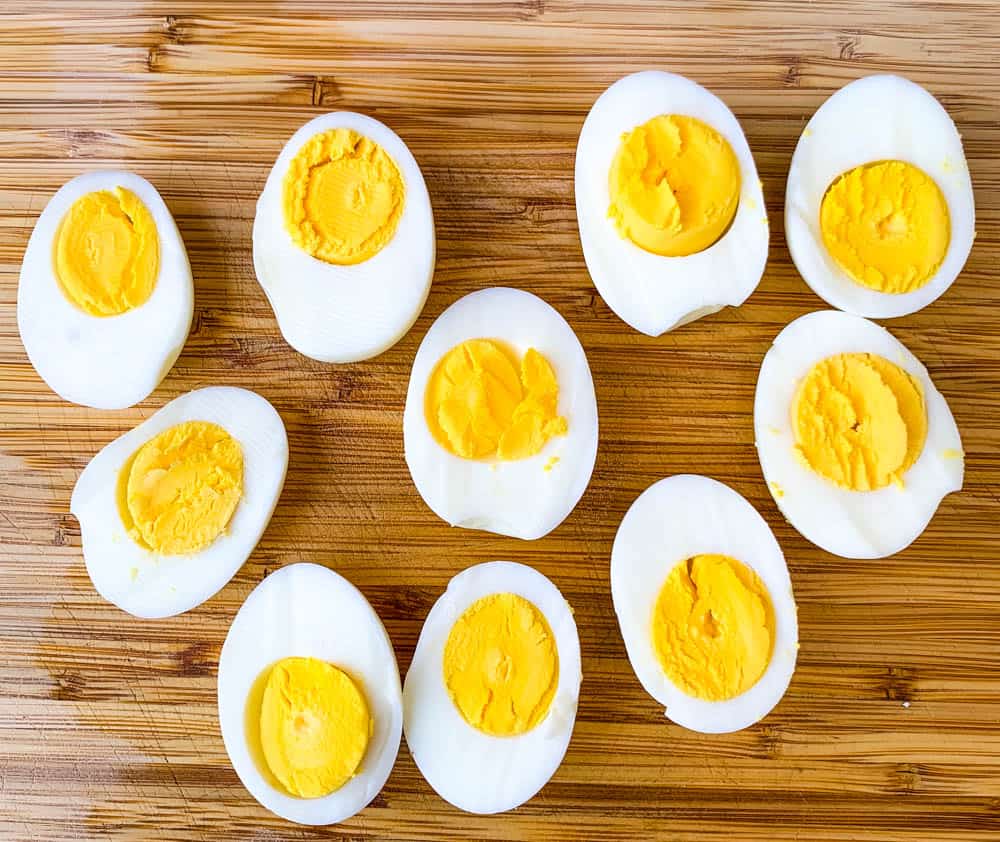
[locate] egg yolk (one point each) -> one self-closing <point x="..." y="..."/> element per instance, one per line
<point x="481" y="403"/>
<point x="177" y="493"/>
<point x="314" y="726"/>
<point x="501" y="665"/>
<point x="859" y="420"/>
<point x="886" y="224"/>
<point x="107" y="252"/>
<point x="713" y="627"/>
<point x="674" y="185"/>
<point x="342" y="197"/>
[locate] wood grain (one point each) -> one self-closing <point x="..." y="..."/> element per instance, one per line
<point x="891" y="727"/>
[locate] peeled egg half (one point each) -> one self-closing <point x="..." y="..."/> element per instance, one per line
<point x="879" y="211"/>
<point x="309" y="696"/>
<point x="489" y="701"/>
<point x="856" y="444"/>
<point x="669" y="204"/>
<point x="105" y="298"/>
<point x="704" y="603"/>
<point x="343" y="239"/>
<point x="170" y="510"/>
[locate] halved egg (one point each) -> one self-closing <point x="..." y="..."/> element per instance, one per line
<point x="704" y="603"/>
<point x="856" y="444"/>
<point x="343" y="239"/>
<point x="668" y="201"/>
<point x="310" y="705"/>
<point x="105" y="297"/>
<point x="170" y="510"/>
<point x="489" y="701"/>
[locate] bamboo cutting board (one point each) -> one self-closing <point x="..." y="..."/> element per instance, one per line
<point x="891" y="727"/>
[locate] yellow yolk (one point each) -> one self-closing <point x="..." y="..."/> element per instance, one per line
<point x="314" y="726"/>
<point x="859" y="421"/>
<point x="501" y="665"/>
<point x="177" y="492"/>
<point x="342" y="197"/>
<point x="886" y="224"/>
<point x="674" y="185"/>
<point x="713" y="627"/>
<point x="107" y="252"/>
<point x="480" y="403"/>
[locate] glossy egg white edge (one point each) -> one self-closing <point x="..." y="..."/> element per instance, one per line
<point x="343" y="314"/>
<point x="673" y="520"/>
<point x="103" y="362"/>
<point x="488" y="495"/>
<point x="850" y="524"/>
<point x="652" y="293"/>
<point x="472" y="770"/>
<point x="873" y="119"/>
<point x="306" y="610"/>
<point x="149" y="585"/>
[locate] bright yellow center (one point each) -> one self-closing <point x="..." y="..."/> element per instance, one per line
<point x="342" y="197"/>
<point x="177" y="492"/>
<point x="713" y="627"/>
<point x="501" y="665"/>
<point x="859" y="421"/>
<point x="674" y="185"/>
<point x="887" y="225"/>
<point x="107" y="252"/>
<point x="480" y="403"/>
<point x="314" y="726"/>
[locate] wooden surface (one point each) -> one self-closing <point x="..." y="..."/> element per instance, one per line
<point x="891" y="726"/>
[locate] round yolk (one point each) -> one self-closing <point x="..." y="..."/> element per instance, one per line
<point x="107" y="252"/>
<point x="501" y="665"/>
<point x="713" y="627"/>
<point x="886" y="224"/>
<point x="342" y="197"/>
<point x="674" y="185"/>
<point x="481" y="402"/>
<point x="179" y="490"/>
<point x="859" y="421"/>
<point x="314" y="726"/>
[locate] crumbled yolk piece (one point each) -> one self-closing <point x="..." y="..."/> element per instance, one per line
<point x="177" y="492"/>
<point x="859" y="420"/>
<point x="480" y="403"/>
<point x="314" y="726"/>
<point x="107" y="252"/>
<point x="501" y="665"/>
<point x="713" y="627"/>
<point x="674" y="185"/>
<point x="886" y="224"/>
<point x="342" y="197"/>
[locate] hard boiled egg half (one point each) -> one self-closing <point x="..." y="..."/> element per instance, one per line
<point x="105" y="298"/>
<point x="669" y="204"/>
<point x="170" y="511"/>
<point x="343" y="239"/>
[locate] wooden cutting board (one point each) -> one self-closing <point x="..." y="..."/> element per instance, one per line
<point x="891" y="727"/>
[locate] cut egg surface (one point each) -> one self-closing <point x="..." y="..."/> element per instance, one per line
<point x="343" y="238"/>
<point x="490" y="698"/>
<point x="170" y="510"/>
<point x="857" y="446"/>
<point x="668" y="202"/>
<point x="704" y="603"/>
<point x="310" y="704"/>
<point x="105" y="296"/>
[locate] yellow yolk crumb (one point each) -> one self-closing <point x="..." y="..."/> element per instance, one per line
<point x="107" y="252"/>
<point x="342" y="197"/>
<point x="713" y="627"/>
<point x="886" y="224"/>
<point x="501" y="665"/>
<point x="859" y="421"/>
<point x="674" y="185"/>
